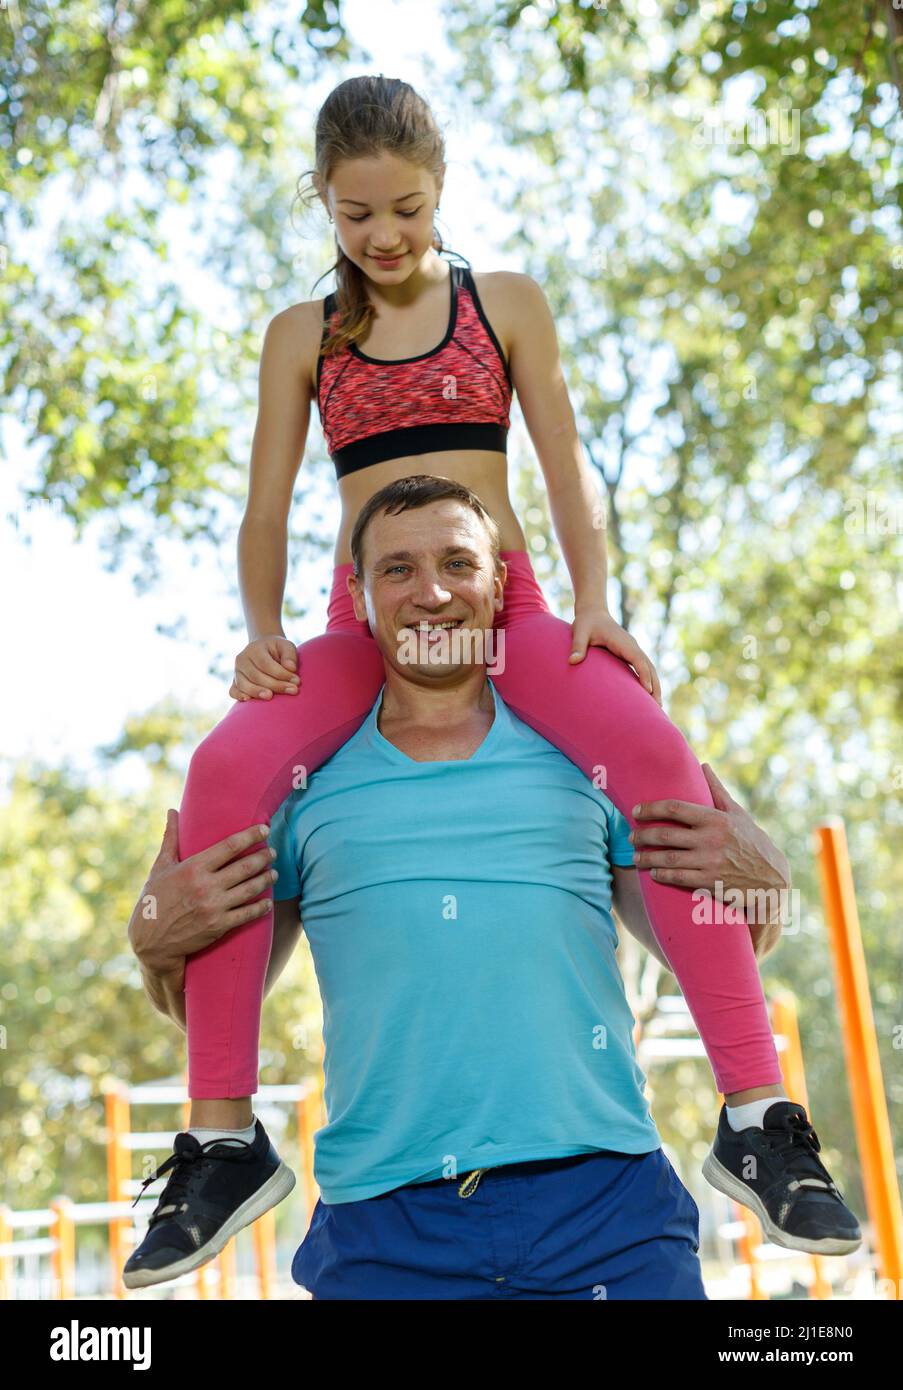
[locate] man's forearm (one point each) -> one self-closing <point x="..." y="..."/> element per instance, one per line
<point x="642" y="930"/>
<point x="765" y="906"/>
<point x="165" y="999"/>
<point x="764" y="938"/>
<point x="629" y="908"/>
<point x="170" y="1001"/>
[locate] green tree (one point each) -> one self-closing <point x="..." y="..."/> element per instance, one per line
<point x="75" y="853"/>
<point x="730" y="326"/>
<point x="146" y="149"/>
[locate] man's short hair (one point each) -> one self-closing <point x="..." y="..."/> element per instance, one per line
<point x="417" y="491"/>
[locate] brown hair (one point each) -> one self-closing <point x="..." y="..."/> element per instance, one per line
<point x="417" y="491"/>
<point x="361" y="118"/>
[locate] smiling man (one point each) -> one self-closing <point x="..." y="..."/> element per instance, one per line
<point x="487" y="1131"/>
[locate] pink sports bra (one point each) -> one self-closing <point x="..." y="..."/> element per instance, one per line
<point x="457" y="396"/>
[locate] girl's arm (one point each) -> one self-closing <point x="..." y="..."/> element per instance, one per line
<point x="280" y="434"/>
<point x="575" y="503"/>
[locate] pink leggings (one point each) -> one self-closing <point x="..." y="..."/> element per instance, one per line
<point x="596" y="712"/>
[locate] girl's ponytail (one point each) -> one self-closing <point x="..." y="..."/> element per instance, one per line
<point x="354" y="307"/>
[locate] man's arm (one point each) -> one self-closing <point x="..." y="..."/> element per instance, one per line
<point x="169" y="999"/>
<point x="287" y="929"/>
<point x="187" y="904"/>
<point x="627" y="901"/>
<point x="711" y="846"/>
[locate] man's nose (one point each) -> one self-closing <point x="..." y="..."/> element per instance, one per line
<point x="430" y="592"/>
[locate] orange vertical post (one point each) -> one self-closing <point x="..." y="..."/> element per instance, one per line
<point x="186" y="1103"/>
<point x="752" y="1236"/>
<point x="62" y="1261"/>
<point x="882" y="1193"/>
<point x="119" y="1170"/>
<point x="309" y="1109"/>
<point x="784" y="1022"/>
<point x="6" y="1261"/>
<point x="264" y="1231"/>
<point x="227" y="1266"/>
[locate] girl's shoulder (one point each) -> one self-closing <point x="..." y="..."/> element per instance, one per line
<point x="504" y="283"/>
<point x="304" y="324"/>
<point x="506" y="296"/>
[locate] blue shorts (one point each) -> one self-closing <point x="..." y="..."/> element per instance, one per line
<point x="589" y="1226"/>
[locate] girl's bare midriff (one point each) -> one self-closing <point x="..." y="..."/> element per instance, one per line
<point x="485" y="472"/>
<point x="399" y="335"/>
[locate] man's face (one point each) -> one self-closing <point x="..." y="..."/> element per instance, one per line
<point x="424" y="567"/>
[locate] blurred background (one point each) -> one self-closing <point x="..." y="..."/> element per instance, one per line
<point x="709" y="195"/>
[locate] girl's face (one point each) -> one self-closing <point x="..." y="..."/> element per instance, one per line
<point x="383" y="209"/>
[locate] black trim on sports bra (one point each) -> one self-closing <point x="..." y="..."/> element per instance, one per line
<point x="454" y="276"/>
<point x="460" y="274"/>
<point x="471" y="285"/>
<point x="418" y="439"/>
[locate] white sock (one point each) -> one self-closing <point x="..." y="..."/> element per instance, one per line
<point x="204" y="1135"/>
<point x="751" y="1115"/>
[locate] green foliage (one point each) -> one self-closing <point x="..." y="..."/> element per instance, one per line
<point x="730" y="324"/>
<point x="74" y="856"/>
<point x="729" y="317"/>
<point x="151" y="147"/>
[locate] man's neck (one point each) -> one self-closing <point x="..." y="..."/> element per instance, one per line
<point x="429" y="701"/>
<point x="439" y="723"/>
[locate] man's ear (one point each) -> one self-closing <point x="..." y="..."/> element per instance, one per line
<point x="501" y="574"/>
<point x="355" y="586"/>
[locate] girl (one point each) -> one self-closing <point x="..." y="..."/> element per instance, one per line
<point x="412" y="363"/>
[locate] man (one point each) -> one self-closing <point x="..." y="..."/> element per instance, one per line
<point x="456" y="897"/>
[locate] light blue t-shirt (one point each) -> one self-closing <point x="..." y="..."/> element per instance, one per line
<point x="458" y="917"/>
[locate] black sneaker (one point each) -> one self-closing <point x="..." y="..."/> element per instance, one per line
<point x="213" y="1191"/>
<point x="790" y="1190"/>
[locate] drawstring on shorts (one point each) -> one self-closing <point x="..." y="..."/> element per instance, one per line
<point x="469" y="1185"/>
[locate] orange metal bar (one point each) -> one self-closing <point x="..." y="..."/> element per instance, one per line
<point x="119" y="1168"/>
<point x="186" y="1104"/>
<point x="227" y="1268"/>
<point x="882" y="1193"/>
<point x="62" y="1261"/>
<point x="264" y="1229"/>
<point x="303" y="1143"/>
<point x="309" y="1109"/>
<point x="747" y="1243"/>
<point x="785" y="1023"/>
<point x="6" y="1261"/>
